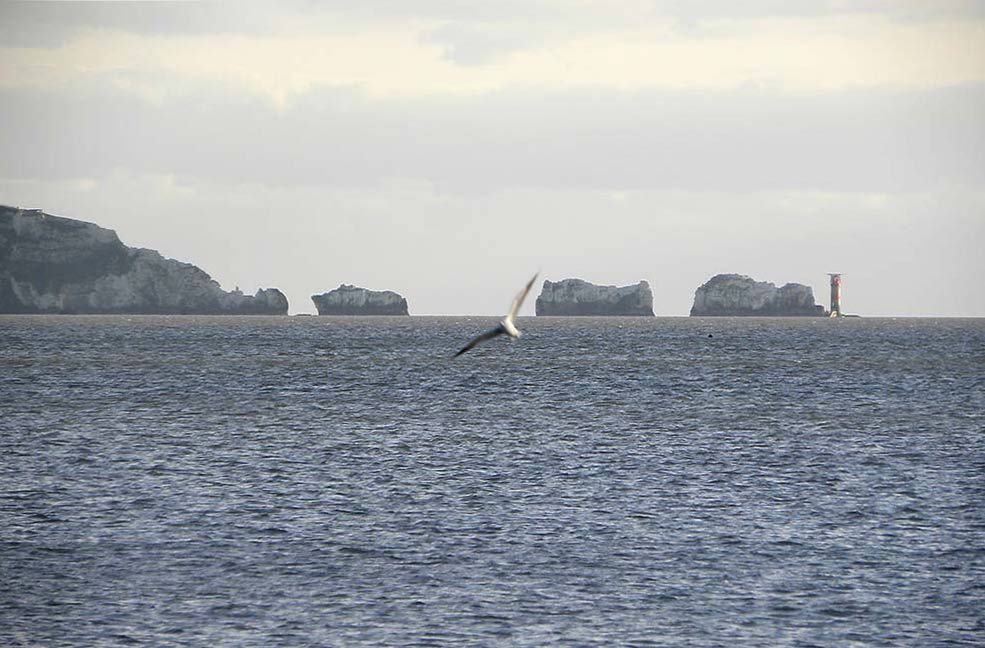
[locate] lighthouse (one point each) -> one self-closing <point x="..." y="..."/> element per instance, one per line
<point x="835" y="294"/>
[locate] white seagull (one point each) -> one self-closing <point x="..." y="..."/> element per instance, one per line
<point x="506" y="325"/>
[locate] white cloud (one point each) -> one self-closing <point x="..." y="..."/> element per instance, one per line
<point x="746" y="140"/>
<point x="421" y="57"/>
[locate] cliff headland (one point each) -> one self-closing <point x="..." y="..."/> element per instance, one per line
<point x="50" y="264"/>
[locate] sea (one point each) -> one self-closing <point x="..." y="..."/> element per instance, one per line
<point x="319" y="481"/>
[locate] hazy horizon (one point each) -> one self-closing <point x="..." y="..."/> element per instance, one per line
<point x="447" y="151"/>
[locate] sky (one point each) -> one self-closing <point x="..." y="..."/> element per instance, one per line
<point x="447" y="150"/>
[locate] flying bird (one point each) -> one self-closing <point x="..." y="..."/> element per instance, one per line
<point x="506" y="325"/>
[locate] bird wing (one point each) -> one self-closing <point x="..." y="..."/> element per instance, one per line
<point x="518" y="300"/>
<point x="488" y="335"/>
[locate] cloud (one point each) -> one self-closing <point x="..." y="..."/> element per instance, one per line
<point x="468" y="44"/>
<point x="286" y="53"/>
<point x="51" y="23"/>
<point x="744" y="140"/>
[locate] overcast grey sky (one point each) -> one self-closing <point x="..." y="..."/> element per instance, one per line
<point x="447" y="150"/>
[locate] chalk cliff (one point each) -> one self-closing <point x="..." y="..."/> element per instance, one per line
<point x="50" y="264"/>
<point x="352" y="300"/>
<point x="578" y="297"/>
<point x="733" y="294"/>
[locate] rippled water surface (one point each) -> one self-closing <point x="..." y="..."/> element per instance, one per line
<point x="602" y="482"/>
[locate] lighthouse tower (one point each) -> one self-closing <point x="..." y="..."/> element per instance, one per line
<point x="835" y="294"/>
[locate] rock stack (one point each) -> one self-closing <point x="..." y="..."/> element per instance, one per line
<point x="733" y="294"/>
<point x="352" y="300"/>
<point x="578" y="297"/>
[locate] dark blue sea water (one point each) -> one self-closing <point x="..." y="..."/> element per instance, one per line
<point x="184" y="481"/>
